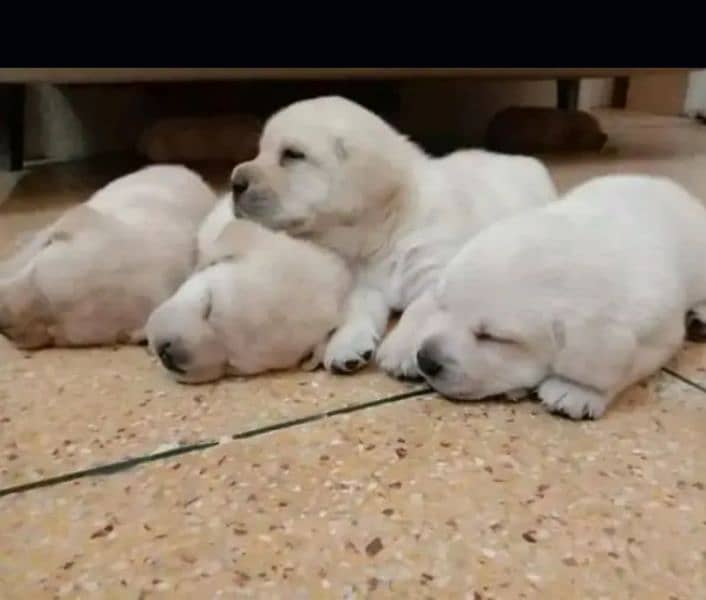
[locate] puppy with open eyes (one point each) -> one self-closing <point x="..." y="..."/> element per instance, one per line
<point x="579" y="299"/>
<point x="94" y="276"/>
<point x="332" y="172"/>
<point x="258" y="301"/>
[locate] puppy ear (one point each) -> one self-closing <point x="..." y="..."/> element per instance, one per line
<point x="235" y="240"/>
<point x="340" y="149"/>
<point x="30" y="245"/>
<point x="77" y="219"/>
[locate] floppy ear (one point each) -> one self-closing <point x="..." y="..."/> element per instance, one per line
<point x="69" y="224"/>
<point x="80" y="218"/>
<point x="235" y="240"/>
<point x="591" y="352"/>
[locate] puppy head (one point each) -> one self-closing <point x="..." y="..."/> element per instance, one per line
<point x="183" y="333"/>
<point x="475" y="347"/>
<point x="260" y="301"/>
<point x="322" y="163"/>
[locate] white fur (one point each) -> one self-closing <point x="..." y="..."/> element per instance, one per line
<point x="214" y="223"/>
<point x="94" y="276"/>
<point x="395" y="214"/>
<point x="583" y="297"/>
<point x="258" y="301"/>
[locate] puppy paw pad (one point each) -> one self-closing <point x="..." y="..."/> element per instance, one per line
<point x="571" y="400"/>
<point x="349" y="351"/>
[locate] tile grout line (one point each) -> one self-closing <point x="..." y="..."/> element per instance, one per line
<point x="684" y="379"/>
<point x="128" y="463"/>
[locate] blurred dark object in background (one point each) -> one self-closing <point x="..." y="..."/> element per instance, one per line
<point x="540" y="130"/>
<point x="195" y="139"/>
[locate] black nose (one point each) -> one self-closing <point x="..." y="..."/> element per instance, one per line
<point x="239" y="185"/>
<point x="427" y="364"/>
<point x="167" y="356"/>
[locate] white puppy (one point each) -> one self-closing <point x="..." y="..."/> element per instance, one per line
<point x="94" y="276"/>
<point x="259" y="301"/>
<point x="330" y="171"/>
<point x="581" y="298"/>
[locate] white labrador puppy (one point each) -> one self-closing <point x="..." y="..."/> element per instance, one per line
<point x="581" y="298"/>
<point x="94" y="276"/>
<point x="259" y="301"/>
<point x="330" y="171"/>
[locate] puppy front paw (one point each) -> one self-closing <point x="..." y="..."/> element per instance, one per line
<point x="571" y="400"/>
<point x="350" y="349"/>
<point x="397" y="360"/>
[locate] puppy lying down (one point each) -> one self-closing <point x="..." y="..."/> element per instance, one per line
<point x="580" y="299"/>
<point x="94" y="276"/>
<point x="332" y="172"/>
<point x="259" y="301"/>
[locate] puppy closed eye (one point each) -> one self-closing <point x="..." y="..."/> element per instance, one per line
<point x="289" y="155"/>
<point x="57" y="236"/>
<point x="484" y="336"/>
<point x="207" y="307"/>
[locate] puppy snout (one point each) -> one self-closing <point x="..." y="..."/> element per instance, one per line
<point x="428" y="362"/>
<point x="171" y="356"/>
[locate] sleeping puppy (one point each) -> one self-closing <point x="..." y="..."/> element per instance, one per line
<point x="259" y="301"/>
<point x="94" y="276"/>
<point x="330" y="171"/>
<point x="581" y="298"/>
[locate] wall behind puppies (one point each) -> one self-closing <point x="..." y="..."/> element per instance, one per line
<point x="451" y="114"/>
<point x="74" y="122"/>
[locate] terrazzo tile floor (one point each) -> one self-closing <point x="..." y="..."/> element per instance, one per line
<point x="414" y="497"/>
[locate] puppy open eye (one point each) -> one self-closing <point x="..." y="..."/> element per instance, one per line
<point x="290" y="154"/>
<point x="484" y="336"/>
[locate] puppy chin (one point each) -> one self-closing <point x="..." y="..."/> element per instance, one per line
<point x="464" y="392"/>
<point x="197" y="376"/>
<point x="455" y="386"/>
<point x="30" y="337"/>
<point x="296" y="226"/>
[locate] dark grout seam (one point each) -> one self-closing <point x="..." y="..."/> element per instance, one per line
<point x="129" y="463"/>
<point x="684" y="379"/>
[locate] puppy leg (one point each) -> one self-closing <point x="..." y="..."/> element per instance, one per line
<point x="397" y="354"/>
<point x="565" y="397"/>
<point x="696" y="323"/>
<point x="590" y="375"/>
<point x="353" y="344"/>
<point x="591" y="359"/>
<point x="138" y="337"/>
<point x="314" y="360"/>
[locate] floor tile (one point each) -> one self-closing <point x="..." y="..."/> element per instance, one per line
<point x="62" y="410"/>
<point x="423" y="498"/>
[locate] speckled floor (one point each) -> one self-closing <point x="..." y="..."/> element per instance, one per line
<point x="415" y="497"/>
